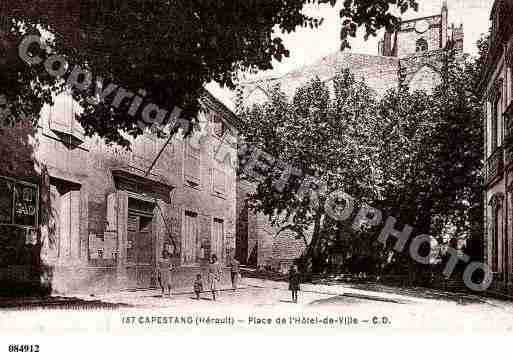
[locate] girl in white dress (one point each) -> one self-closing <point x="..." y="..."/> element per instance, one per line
<point x="215" y="272"/>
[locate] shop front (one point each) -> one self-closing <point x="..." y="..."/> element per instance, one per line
<point x="21" y="269"/>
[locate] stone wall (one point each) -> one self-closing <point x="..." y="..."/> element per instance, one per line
<point x="407" y="37"/>
<point x="380" y="73"/>
<point x="266" y="248"/>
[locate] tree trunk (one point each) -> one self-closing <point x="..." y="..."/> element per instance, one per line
<point x="423" y="226"/>
<point x="313" y="249"/>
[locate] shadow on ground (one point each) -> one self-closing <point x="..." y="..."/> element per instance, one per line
<point x="420" y="292"/>
<point x="55" y="302"/>
<point x="336" y="300"/>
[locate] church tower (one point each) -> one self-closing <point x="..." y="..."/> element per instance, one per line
<point x="418" y="44"/>
<point x="425" y="34"/>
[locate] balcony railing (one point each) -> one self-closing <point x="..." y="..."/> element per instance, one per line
<point x="494" y="165"/>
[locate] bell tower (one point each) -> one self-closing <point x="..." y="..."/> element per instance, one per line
<point x="420" y="35"/>
<point x="445" y="12"/>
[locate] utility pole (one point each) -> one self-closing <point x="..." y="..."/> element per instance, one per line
<point x="159" y="154"/>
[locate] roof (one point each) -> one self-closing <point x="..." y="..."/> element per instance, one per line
<point x="496" y="49"/>
<point x="380" y="72"/>
<point x="211" y="102"/>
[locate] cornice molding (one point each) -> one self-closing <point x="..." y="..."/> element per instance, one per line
<point x="212" y="103"/>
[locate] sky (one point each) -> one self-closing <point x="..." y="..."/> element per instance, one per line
<point x="308" y="45"/>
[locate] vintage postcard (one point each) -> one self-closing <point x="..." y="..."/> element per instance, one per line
<point x="277" y="167"/>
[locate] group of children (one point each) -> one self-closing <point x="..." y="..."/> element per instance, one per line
<point x="215" y="271"/>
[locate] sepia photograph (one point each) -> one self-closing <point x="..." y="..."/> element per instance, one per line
<point x="255" y="167"/>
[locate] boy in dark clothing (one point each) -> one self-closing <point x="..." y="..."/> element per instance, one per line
<point x="294" y="280"/>
<point x="235" y="272"/>
<point x="198" y="286"/>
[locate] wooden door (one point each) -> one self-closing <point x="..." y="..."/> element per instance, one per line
<point x="140" y="251"/>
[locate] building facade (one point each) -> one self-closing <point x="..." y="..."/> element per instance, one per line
<point x="497" y="89"/>
<point x="414" y="53"/>
<point x="97" y="220"/>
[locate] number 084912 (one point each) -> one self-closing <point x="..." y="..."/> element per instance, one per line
<point x="24" y="348"/>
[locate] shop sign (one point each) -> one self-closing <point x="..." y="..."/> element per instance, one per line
<point x="19" y="203"/>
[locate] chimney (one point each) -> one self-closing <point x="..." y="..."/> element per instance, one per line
<point x="445" y="13"/>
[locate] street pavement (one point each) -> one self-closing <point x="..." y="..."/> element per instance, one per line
<point x="416" y="311"/>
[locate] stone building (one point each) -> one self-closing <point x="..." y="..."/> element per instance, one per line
<point x="497" y="89"/>
<point x="88" y="214"/>
<point x="413" y="52"/>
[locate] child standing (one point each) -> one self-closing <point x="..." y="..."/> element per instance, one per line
<point x="235" y="272"/>
<point x="164" y="275"/>
<point x="198" y="286"/>
<point x="294" y="281"/>
<point x="214" y="275"/>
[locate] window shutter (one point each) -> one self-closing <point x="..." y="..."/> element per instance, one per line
<point x="192" y="164"/>
<point x="190" y="242"/>
<point x="112" y="212"/>
<point x="218" y="181"/>
<point x="216" y="246"/>
<point x="62" y="117"/>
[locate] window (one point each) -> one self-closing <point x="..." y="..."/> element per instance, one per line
<point x="218" y="182"/>
<point x="421" y="45"/>
<point x="495" y="122"/>
<point x="495" y="230"/>
<point x="62" y="119"/>
<point x="145" y="147"/>
<point x="192" y="165"/>
<point x="495" y="239"/>
<point x="216" y="245"/>
<point x="190" y="241"/>
<point x="219" y="127"/>
<point x="511" y="84"/>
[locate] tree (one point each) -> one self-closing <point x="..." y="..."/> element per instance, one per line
<point x="413" y="155"/>
<point x="170" y="49"/>
<point x="329" y="141"/>
<point x="432" y="164"/>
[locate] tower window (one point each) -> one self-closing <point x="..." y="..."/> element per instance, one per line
<point x="421" y="45"/>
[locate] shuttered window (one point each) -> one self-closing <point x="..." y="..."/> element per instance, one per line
<point x="216" y="246"/>
<point x="112" y="212"/>
<point x="190" y="239"/>
<point x="65" y="202"/>
<point x="192" y="165"/>
<point x="495" y="122"/>
<point x="62" y="117"/>
<point x="218" y="182"/>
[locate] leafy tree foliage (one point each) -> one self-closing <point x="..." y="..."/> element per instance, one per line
<point x="414" y="155"/>
<point x="432" y="162"/>
<point x="168" y="48"/>
<point x="330" y="141"/>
